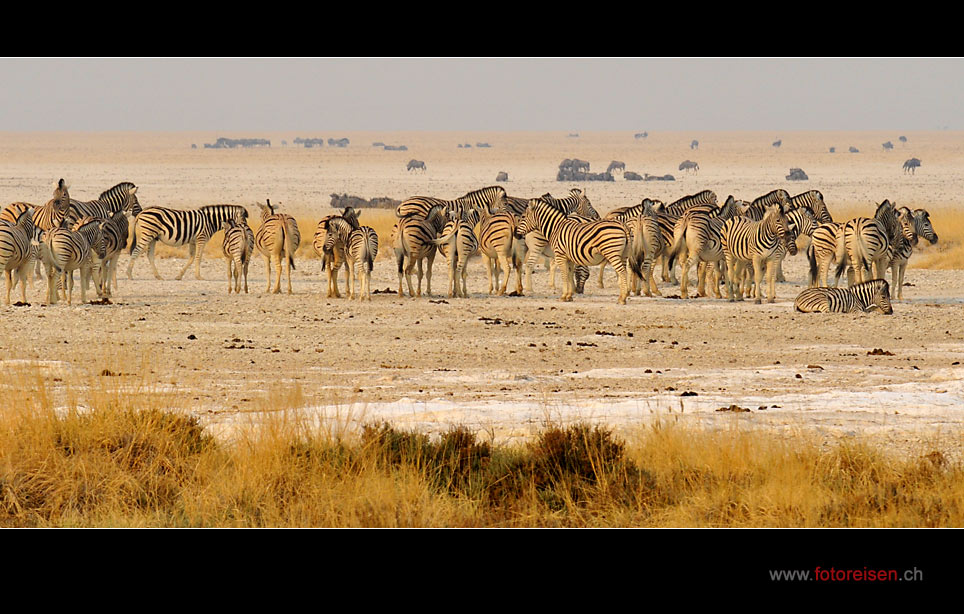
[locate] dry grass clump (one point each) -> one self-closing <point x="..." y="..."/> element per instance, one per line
<point x="116" y="466"/>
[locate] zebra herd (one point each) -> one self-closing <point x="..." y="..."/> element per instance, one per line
<point x="739" y="244"/>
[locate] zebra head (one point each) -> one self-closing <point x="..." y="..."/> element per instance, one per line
<point x="266" y="210"/>
<point x="775" y="217"/>
<point x="351" y="215"/>
<point x="878" y="296"/>
<point x="922" y="224"/>
<point x="908" y="229"/>
<point x="530" y="219"/>
<point x="132" y="204"/>
<point x="61" y="197"/>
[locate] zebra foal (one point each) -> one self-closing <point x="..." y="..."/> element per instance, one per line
<point x="237" y="247"/>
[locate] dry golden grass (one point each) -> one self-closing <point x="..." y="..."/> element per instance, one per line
<point x="123" y="457"/>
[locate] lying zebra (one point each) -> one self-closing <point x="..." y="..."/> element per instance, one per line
<point x="873" y="295"/>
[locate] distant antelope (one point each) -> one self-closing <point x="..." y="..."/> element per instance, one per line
<point x="689" y="165"/>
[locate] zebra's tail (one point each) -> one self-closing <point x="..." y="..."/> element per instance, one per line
<point x="284" y="241"/>
<point x="679" y="238"/>
<point x="134" y="236"/>
<point x="638" y="249"/>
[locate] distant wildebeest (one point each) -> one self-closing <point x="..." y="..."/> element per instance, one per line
<point x="193" y="145"/>
<point x="833" y="150"/>
<point x="902" y="139"/>
<point x="777" y="143"/>
<point x="416" y="165"/>
<point x="502" y="176"/>
<point x="888" y="145"/>
<point x="649" y="177"/>
<point x="797" y="174"/>
<point x="911" y="165"/>
<point x="378" y="144"/>
<point x="641" y="135"/>
<point x="482" y="145"/>
<point x="854" y="149"/>
<point x="396" y="148"/>
<point x="574" y="134"/>
<point x="574" y="165"/>
<point x="689" y="165"/>
<point x="631" y="176"/>
<point x="616" y="165"/>
<point x="338" y="142"/>
<point x="695" y="144"/>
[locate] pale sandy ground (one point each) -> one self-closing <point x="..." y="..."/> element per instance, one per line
<point x="434" y="364"/>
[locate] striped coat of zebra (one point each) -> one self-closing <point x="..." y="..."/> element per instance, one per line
<point x="812" y="200"/>
<point x="413" y="241"/>
<point x="238" y="248"/>
<point x="51" y="215"/>
<point x="903" y="248"/>
<point x="67" y="250"/>
<point x="177" y="227"/>
<point x="758" y="206"/>
<point x="458" y="243"/>
<point x="574" y="242"/>
<point x="360" y="247"/>
<point x="331" y="260"/>
<point x="757" y="243"/>
<point x="491" y="198"/>
<point x="496" y="235"/>
<point x="801" y="222"/>
<point x="870" y="241"/>
<point x="121" y="197"/>
<point x="278" y="238"/>
<point x="16" y="253"/>
<point x="538" y="246"/>
<point x="697" y="240"/>
<point x="873" y="295"/>
<point x="827" y="247"/>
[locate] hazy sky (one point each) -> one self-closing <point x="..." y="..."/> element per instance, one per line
<point x="481" y="94"/>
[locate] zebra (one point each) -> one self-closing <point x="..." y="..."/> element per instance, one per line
<point x="278" y="238"/>
<point x="575" y="242"/>
<point x="51" y="215"/>
<point x="237" y="247"/>
<point x="826" y="247"/>
<point x="873" y="295"/>
<point x="121" y="197"/>
<point x="904" y="248"/>
<point x="360" y="245"/>
<point x="801" y="223"/>
<point x="177" y="227"/>
<point x="812" y="200"/>
<point x="678" y="207"/>
<point x="496" y="234"/>
<point x="65" y="251"/>
<point x="668" y="217"/>
<point x="413" y="240"/>
<point x="758" y="206"/>
<point x="16" y="252"/>
<point x="458" y="243"/>
<point x="116" y="233"/>
<point x="697" y="240"/>
<point x="492" y="198"/>
<point x="647" y="242"/>
<point x="92" y="229"/>
<point x="870" y="241"/>
<point x="538" y="245"/>
<point x="745" y="241"/>
<point x="331" y="261"/>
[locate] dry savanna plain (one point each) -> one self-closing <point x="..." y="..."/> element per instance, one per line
<point x="502" y="366"/>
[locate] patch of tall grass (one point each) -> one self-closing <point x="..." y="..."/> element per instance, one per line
<point x="106" y="462"/>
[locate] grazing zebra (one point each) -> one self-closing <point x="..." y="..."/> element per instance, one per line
<point x="873" y="295"/>
<point x="812" y="200"/>
<point x="745" y="242"/>
<point x="870" y="241"/>
<point x="537" y="245"/>
<point x="16" y="253"/>
<point x="413" y="240"/>
<point x="277" y="239"/>
<point x="457" y="243"/>
<point x="801" y="223"/>
<point x="575" y="242"/>
<point x="903" y="249"/>
<point x="360" y="245"/>
<point x="121" y="197"/>
<point x="237" y="247"/>
<point x="177" y="227"/>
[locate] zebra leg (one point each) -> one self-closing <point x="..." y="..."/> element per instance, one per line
<point x="506" y="271"/>
<point x="200" y="254"/>
<point x="9" y="278"/>
<point x="684" y="276"/>
<point x="771" y="271"/>
<point x="267" y="269"/>
<point x="620" y="266"/>
<point x="567" y="281"/>
<point x="400" y="263"/>
<point x="190" y="260"/>
<point x="230" y="275"/>
<point x="488" y="270"/>
<point x="278" y="268"/>
<point x="246" y="262"/>
<point x="528" y="265"/>
<point x="780" y="277"/>
<point x="428" y="273"/>
<point x="419" y="272"/>
<point x="900" y="282"/>
<point x="552" y="274"/>
<point x="602" y="269"/>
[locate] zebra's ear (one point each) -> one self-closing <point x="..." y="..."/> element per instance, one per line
<point x="134" y="190"/>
